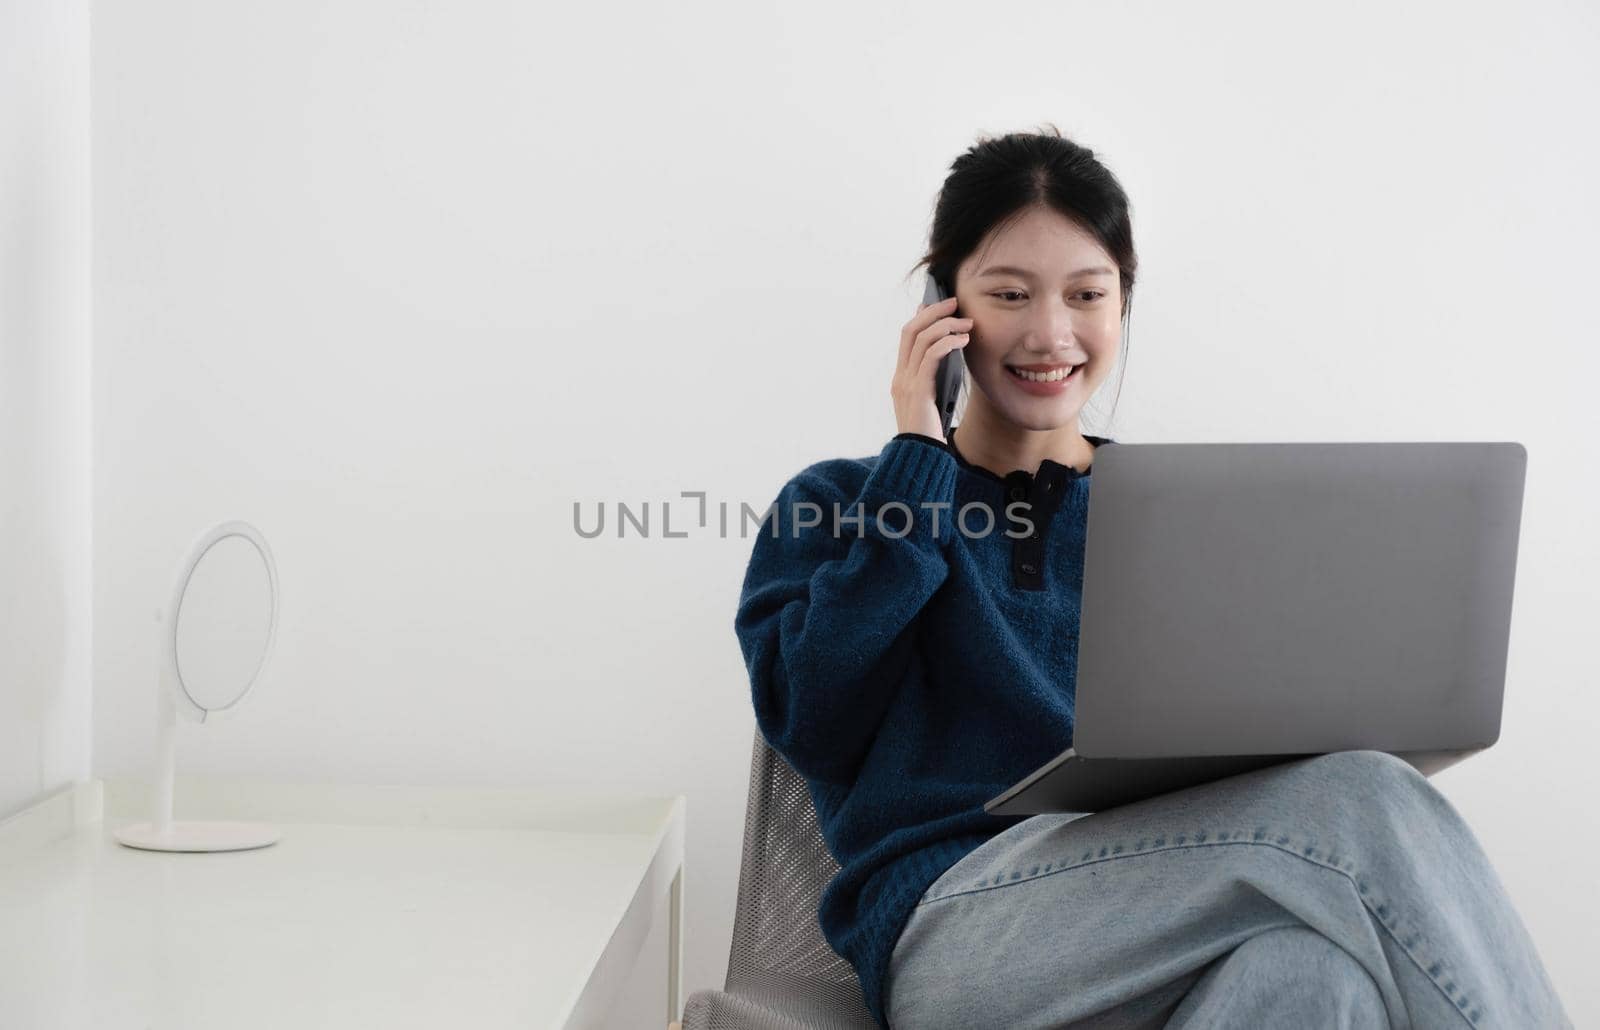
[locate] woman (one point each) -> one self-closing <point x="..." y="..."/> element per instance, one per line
<point x="911" y="666"/>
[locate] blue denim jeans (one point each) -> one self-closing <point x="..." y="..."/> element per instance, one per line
<point x="1341" y="890"/>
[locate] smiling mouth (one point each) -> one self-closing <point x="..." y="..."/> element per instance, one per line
<point x="1055" y="375"/>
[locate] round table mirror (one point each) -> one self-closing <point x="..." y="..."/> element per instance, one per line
<point x="217" y="631"/>
<point x="224" y="625"/>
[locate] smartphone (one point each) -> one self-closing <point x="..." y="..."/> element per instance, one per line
<point x="952" y="369"/>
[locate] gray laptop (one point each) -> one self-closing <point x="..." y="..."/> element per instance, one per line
<point x="1246" y="604"/>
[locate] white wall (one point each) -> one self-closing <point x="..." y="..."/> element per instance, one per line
<point x="400" y="283"/>
<point x="44" y="398"/>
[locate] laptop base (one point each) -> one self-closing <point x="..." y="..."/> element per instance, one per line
<point x="1072" y="783"/>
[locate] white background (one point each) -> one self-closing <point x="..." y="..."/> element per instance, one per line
<point x="400" y="283"/>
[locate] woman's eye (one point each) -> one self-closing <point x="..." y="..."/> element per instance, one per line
<point x="1008" y="295"/>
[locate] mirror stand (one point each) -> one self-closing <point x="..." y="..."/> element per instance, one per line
<point x="163" y="833"/>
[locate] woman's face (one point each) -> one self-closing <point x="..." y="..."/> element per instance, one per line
<point x="1041" y="293"/>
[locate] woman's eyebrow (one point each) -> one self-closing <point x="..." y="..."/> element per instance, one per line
<point x="1023" y="273"/>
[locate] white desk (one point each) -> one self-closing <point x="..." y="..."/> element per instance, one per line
<point x="379" y="907"/>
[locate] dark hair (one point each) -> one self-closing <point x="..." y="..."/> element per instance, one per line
<point x="1000" y="179"/>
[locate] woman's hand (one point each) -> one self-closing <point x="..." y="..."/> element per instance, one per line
<point x="932" y="333"/>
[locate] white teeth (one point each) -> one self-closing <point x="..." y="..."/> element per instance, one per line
<point x="1044" y="377"/>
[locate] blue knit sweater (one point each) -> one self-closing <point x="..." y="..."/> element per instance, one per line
<point x="911" y="667"/>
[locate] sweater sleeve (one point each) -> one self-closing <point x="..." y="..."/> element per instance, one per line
<point x="824" y="611"/>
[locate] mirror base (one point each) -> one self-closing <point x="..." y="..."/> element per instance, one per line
<point x="198" y="836"/>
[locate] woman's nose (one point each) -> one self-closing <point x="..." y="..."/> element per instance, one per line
<point x="1051" y="334"/>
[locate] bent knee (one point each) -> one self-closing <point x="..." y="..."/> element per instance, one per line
<point x="1365" y="770"/>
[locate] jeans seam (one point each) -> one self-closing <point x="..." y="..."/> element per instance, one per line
<point x="1108" y="853"/>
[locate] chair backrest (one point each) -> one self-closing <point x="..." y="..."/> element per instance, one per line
<point x="778" y="952"/>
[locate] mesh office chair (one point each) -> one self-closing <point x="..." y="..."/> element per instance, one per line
<point x="782" y="973"/>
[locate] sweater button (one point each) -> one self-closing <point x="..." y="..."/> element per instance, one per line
<point x="1029" y="567"/>
<point x="1017" y="493"/>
